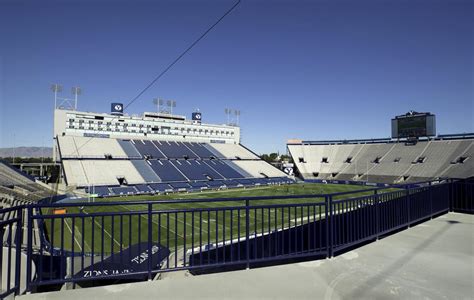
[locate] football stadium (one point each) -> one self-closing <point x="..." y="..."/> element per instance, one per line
<point x="181" y="194"/>
<point x="164" y="204"/>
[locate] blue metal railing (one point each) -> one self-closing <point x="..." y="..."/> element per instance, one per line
<point x="10" y="240"/>
<point x="140" y="239"/>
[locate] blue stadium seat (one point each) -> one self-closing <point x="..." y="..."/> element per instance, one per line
<point x="246" y="182"/>
<point x="180" y="185"/>
<point x="232" y="183"/>
<point x="198" y="185"/>
<point x="147" y="148"/>
<point x="200" y="150"/>
<point x="196" y="170"/>
<point x="129" y="149"/>
<point x="224" y="169"/>
<point x="216" y="184"/>
<point x="261" y="181"/>
<point x="145" y="170"/>
<point x="101" y="191"/>
<point x="123" y="190"/>
<point x="160" y="187"/>
<point x="166" y="171"/>
<point x="143" y="188"/>
<point x="174" y="149"/>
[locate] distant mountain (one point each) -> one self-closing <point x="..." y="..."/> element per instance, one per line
<point x="27" y="152"/>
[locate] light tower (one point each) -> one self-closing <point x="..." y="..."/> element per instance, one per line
<point x="76" y="91"/>
<point x="56" y="88"/>
<point x="65" y="103"/>
<point x="170" y="104"/>
<point x="159" y="103"/>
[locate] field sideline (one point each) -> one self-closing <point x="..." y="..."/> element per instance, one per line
<point x="96" y="232"/>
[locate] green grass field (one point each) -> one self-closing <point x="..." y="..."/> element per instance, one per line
<point x="187" y="224"/>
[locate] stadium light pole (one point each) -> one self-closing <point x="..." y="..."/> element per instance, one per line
<point x="237" y="115"/>
<point x="76" y="91"/>
<point x="173" y="104"/>
<point x="158" y="102"/>
<point x="56" y="88"/>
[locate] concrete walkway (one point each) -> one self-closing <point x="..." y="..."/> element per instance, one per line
<point x="433" y="260"/>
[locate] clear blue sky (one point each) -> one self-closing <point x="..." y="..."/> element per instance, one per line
<point x="296" y="69"/>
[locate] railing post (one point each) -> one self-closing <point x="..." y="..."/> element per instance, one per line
<point x="407" y="196"/>
<point x="150" y="228"/>
<point x="333" y="224"/>
<point x="450" y="184"/>
<point x="247" y="232"/>
<point x="18" y="241"/>
<point x="329" y="226"/>
<point x="377" y="214"/>
<point x="430" y="195"/>
<point x="29" y="248"/>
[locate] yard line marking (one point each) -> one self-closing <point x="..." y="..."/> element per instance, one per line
<point x="171" y="216"/>
<point x="98" y="224"/>
<point x="69" y="227"/>
<point x="155" y="222"/>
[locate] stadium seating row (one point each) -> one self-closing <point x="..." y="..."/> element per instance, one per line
<point x="156" y="188"/>
<point x="111" y="172"/>
<point x="131" y="166"/>
<point x="386" y="162"/>
<point x="23" y="187"/>
<point x="76" y="147"/>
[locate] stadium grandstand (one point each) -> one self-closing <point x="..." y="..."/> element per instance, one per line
<point x="18" y="189"/>
<point x="413" y="154"/>
<point x="108" y="155"/>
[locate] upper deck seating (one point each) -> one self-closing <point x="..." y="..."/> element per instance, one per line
<point x="224" y="169"/>
<point x="200" y="150"/>
<point x="129" y="149"/>
<point x="175" y="149"/>
<point x="87" y="147"/>
<point x="259" y="168"/>
<point x="230" y="151"/>
<point x="147" y="149"/>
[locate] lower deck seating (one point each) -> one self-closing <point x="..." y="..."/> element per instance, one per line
<point x="195" y="170"/>
<point x="166" y="171"/>
<point x="152" y="166"/>
<point x="101" y="172"/>
<point x="160" y="187"/>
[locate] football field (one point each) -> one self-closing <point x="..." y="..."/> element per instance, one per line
<point x="110" y="228"/>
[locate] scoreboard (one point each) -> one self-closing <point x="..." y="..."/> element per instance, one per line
<point x="414" y="124"/>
